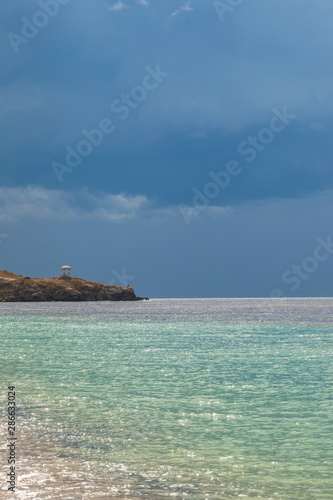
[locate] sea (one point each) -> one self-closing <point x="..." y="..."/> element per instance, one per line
<point x="185" y="399"/>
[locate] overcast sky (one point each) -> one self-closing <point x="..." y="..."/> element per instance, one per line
<point x="184" y="147"/>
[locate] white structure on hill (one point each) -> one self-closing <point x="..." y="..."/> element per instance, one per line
<point x="66" y="271"/>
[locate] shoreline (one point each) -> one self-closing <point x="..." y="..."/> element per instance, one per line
<point x="45" y="470"/>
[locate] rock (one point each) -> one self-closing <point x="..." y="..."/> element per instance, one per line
<point x="16" y="288"/>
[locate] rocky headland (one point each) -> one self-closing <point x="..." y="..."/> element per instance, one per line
<point x="17" y="288"/>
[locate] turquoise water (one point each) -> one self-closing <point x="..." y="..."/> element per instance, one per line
<point x="185" y="399"/>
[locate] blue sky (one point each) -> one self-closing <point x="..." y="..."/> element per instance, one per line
<point x="181" y="146"/>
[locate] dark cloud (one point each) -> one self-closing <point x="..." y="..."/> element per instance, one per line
<point x="225" y="80"/>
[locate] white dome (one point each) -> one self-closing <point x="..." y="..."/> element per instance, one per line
<point x="66" y="267"/>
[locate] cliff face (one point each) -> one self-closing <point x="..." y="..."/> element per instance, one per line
<point x="16" y="288"/>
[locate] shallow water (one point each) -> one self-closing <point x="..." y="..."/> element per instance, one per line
<point x="171" y="398"/>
